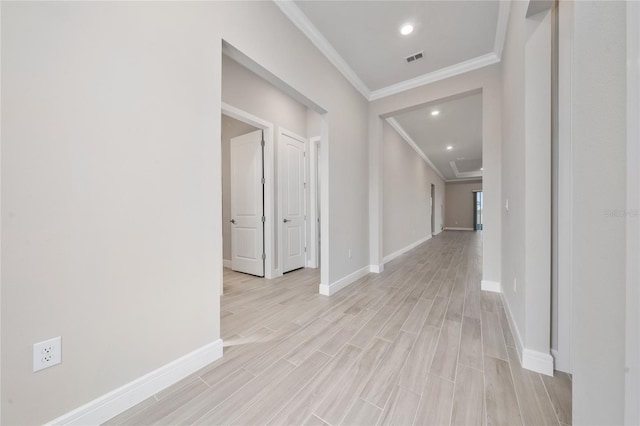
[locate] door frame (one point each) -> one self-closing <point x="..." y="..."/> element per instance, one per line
<point x="269" y="188"/>
<point x="279" y="228"/>
<point x="314" y="161"/>
<point x="432" y="196"/>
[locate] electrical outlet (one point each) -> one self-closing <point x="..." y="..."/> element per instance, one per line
<point x="515" y="284"/>
<point x="47" y="354"/>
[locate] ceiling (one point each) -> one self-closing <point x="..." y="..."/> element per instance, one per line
<point x="459" y="125"/>
<point x="362" y="39"/>
<point x="366" y="34"/>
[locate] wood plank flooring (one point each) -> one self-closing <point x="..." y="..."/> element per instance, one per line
<point x="418" y="344"/>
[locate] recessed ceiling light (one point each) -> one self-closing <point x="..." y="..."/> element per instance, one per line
<point x="449" y="147"/>
<point x="406" y="29"/>
<point x="435" y="112"/>
<point x="481" y="168"/>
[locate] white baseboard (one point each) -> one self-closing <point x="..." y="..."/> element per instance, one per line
<point x="493" y="286"/>
<point x="512" y="325"/>
<point x="119" y="400"/>
<point x="539" y="362"/>
<point x="403" y="250"/>
<point x="333" y="288"/>
<point x="376" y="269"/>
<point x="226" y="263"/>
<point x="439" y="232"/>
<point x="457" y="229"/>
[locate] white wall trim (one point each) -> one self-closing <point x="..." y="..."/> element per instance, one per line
<point x="501" y="27"/>
<point x="314" y="145"/>
<point x="492" y="286"/>
<point x="119" y="400"/>
<point x="441" y="74"/>
<point x="303" y="23"/>
<point x="333" y="288"/>
<point x="226" y="263"/>
<point x="512" y="325"/>
<point x="447" y="228"/>
<point x="404" y="135"/>
<point x="388" y="258"/>
<point x="376" y="269"/>
<point x="539" y="362"/>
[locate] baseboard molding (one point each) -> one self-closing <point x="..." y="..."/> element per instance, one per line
<point x="376" y="269"/>
<point x="403" y="250"/>
<point x="558" y="363"/>
<point x="226" y="263"/>
<point x="493" y="286"/>
<point x="539" y="362"/>
<point x="119" y="400"/>
<point x="514" y="329"/>
<point x="439" y="232"/>
<point x="333" y="288"/>
<point x="457" y="229"/>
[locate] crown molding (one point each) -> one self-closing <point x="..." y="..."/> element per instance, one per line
<point x="300" y="20"/>
<point x="470" y="179"/>
<point x="303" y="23"/>
<point x="501" y="27"/>
<point x="464" y="175"/>
<point x="398" y="128"/>
<point x="441" y="74"/>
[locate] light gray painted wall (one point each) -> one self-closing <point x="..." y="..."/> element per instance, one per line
<point x="526" y="167"/>
<point x="632" y="385"/>
<point x="513" y="163"/>
<point x="407" y="189"/>
<point x="111" y="204"/>
<point x="230" y="129"/>
<point x="488" y="80"/>
<point x="243" y="89"/>
<point x="598" y="126"/>
<point x="459" y="204"/>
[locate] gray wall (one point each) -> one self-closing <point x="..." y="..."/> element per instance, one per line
<point x="598" y="140"/>
<point x="526" y="168"/>
<point x="459" y="204"/>
<point x="111" y="204"/>
<point x="407" y="189"/>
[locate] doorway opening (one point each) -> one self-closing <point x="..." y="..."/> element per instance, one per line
<point x="478" y="205"/>
<point x="270" y="177"/>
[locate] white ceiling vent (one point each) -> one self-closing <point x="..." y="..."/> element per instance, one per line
<point x="415" y="57"/>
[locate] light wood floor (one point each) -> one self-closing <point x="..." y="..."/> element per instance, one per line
<point x="418" y="344"/>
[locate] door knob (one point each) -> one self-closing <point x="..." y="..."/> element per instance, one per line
<point x="286" y="220"/>
<point x="233" y="221"/>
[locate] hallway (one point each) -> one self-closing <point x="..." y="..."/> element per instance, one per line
<point x="418" y="344"/>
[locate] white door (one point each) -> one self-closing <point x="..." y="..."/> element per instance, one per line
<point x="292" y="156"/>
<point x="247" y="225"/>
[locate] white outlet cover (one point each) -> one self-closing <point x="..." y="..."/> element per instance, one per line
<point x="47" y="353"/>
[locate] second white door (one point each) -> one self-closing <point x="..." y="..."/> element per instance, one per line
<point x="292" y="193"/>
